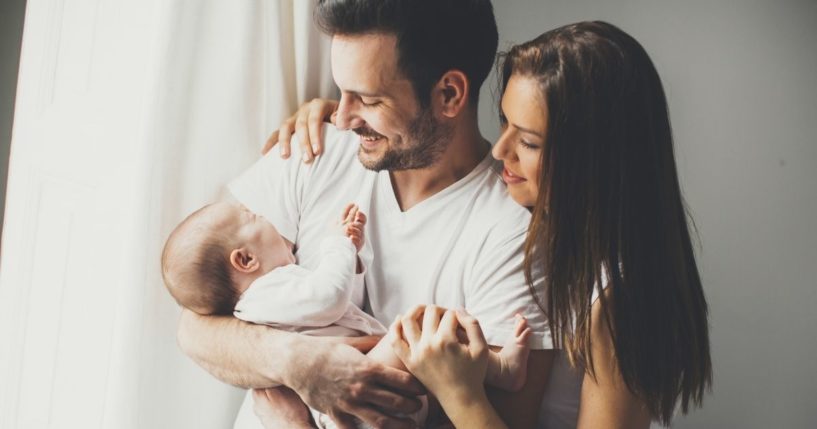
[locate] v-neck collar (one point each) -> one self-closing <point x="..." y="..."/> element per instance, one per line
<point x="386" y="190"/>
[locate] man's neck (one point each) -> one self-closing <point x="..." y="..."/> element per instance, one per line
<point x="465" y="151"/>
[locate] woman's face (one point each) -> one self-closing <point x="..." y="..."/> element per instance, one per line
<point x="524" y="130"/>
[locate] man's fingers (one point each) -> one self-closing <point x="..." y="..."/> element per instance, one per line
<point x="377" y="419"/>
<point x="391" y="403"/>
<point x="343" y="421"/>
<point x="399" y="381"/>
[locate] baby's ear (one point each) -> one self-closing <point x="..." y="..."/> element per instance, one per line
<point x="242" y="260"/>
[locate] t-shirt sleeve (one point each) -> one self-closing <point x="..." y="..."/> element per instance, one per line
<point x="498" y="291"/>
<point x="274" y="187"/>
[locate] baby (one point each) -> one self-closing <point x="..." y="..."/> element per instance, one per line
<point x="224" y="259"/>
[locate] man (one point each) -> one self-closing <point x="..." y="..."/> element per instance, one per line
<point x="442" y="229"/>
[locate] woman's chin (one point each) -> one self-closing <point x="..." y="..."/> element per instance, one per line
<point x="523" y="200"/>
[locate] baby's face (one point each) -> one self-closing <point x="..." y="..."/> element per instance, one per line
<point x="255" y="233"/>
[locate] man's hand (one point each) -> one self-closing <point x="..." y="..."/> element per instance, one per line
<point x="308" y="123"/>
<point x="280" y="407"/>
<point x="340" y="381"/>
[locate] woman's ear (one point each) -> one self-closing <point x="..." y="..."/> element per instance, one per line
<point x="451" y="93"/>
<point x="244" y="261"/>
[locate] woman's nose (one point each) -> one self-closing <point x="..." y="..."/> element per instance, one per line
<point x="501" y="149"/>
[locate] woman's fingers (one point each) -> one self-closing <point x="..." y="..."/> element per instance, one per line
<point x="303" y="134"/>
<point x="476" y="339"/>
<point x="272" y="140"/>
<point x="411" y="325"/>
<point x="398" y="342"/>
<point x="315" y="124"/>
<point x="448" y="326"/>
<point x="431" y="320"/>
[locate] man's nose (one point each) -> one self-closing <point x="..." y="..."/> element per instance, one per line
<point x="347" y="118"/>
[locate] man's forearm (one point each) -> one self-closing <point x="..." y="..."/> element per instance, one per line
<point x="236" y="352"/>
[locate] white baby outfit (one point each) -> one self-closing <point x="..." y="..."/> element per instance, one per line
<point x="316" y="302"/>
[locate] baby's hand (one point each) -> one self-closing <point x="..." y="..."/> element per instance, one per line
<point x="352" y="223"/>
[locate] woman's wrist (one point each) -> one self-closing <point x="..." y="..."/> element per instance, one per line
<point x="465" y="406"/>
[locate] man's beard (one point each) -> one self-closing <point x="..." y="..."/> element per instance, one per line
<point x="427" y="139"/>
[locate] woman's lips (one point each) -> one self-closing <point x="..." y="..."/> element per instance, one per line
<point x="510" y="178"/>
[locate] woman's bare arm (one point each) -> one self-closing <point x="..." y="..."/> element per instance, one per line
<point x="605" y="401"/>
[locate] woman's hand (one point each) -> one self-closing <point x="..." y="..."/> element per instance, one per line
<point x="308" y="123"/>
<point x="448" y="363"/>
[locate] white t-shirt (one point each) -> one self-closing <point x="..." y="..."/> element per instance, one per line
<point x="460" y="248"/>
<point x="317" y="302"/>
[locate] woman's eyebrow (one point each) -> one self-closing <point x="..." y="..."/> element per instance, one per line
<point x="528" y="130"/>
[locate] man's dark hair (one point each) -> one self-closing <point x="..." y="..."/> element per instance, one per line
<point x="433" y="36"/>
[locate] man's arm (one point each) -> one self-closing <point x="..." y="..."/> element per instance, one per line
<point x="236" y="352"/>
<point x="331" y="377"/>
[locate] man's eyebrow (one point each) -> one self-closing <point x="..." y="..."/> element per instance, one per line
<point x="363" y="93"/>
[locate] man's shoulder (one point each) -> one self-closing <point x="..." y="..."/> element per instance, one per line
<point x="493" y="206"/>
<point x="339" y="147"/>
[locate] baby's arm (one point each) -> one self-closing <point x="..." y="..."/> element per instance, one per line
<point x="507" y="368"/>
<point x="353" y="223"/>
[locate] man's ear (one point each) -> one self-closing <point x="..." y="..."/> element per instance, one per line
<point x="244" y="261"/>
<point x="451" y="93"/>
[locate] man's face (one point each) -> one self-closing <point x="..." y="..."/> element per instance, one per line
<point x="378" y="103"/>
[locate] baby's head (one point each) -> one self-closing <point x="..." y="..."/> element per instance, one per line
<point x="214" y="254"/>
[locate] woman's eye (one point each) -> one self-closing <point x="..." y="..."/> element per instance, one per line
<point x="528" y="145"/>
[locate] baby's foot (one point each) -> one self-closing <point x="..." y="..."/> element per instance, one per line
<point x="510" y="368"/>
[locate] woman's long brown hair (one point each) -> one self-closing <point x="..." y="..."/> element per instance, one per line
<point x="610" y="212"/>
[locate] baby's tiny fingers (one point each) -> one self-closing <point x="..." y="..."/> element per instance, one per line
<point x="522" y="339"/>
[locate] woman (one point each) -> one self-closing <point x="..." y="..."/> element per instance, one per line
<point x="587" y="147"/>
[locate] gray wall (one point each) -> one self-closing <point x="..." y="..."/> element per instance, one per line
<point x="741" y="78"/>
<point x="11" y="33"/>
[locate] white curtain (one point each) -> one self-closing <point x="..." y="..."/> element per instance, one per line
<point x="130" y="114"/>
